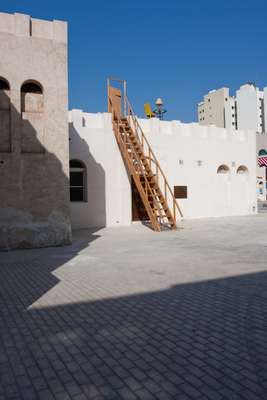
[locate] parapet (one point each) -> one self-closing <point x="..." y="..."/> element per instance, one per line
<point x="23" y="25"/>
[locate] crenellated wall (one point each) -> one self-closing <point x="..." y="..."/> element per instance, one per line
<point x="23" y="25"/>
<point x="34" y="150"/>
<point x="190" y="156"/>
<point x="108" y="200"/>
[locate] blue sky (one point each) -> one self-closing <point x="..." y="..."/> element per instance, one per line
<point x="174" y="49"/>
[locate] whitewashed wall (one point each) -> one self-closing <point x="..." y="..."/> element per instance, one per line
<point x="209" y="194"/>
<point x="92" y="141"/>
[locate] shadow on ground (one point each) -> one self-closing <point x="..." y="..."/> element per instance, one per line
<point x="205" y="340"/>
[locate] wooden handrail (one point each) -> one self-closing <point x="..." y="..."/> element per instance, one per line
<point x="139" y="165"/>
<point x="143" y="140"/>
<point x="134" y="160"/>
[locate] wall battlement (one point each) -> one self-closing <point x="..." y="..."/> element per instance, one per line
<point x="194" y="131"/>
<point x="23" y="25"/>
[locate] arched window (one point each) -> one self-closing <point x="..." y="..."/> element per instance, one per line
<point x="32" y="97"/>
<point x="223" y="169"/>
<point x="242" y="169"/>
<point x="77" y="181"/>
<point x="262" y="152"/>
<point x="4" y="85"/>
<point x="4" y="95"/>
<point x="5" y="117"/>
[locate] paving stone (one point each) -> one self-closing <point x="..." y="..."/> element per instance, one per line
<point x="113" y="323"/>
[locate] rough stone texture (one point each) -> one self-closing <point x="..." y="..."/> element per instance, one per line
<point x="34" y="135"/>
<point x="19" y="230"/>
<point x="126" y="313"/>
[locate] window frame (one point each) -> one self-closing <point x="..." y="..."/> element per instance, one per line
<point x="83" y="170"/>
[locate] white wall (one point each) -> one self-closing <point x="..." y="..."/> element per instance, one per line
<point x="248" y="99"/>
<point x="109" y="192"/>
<point x="209" y="194"/>
<point x="265" y="108"/>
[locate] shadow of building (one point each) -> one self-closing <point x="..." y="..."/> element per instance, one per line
<point x="91" y="211"/>
<point x="34" y="171"/>
<point x="201" y="340"/>
<point x="34" y="184"/>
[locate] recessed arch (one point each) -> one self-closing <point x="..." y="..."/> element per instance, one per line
<point x="223" y="169"/>
<point x="77" y="164"/>
<point x="4" y="84"/>
<point x="242" y="169"/>
<point x="32" y="86"/>
<point x="4" y="94"/>
<point x="5" y="118"/>
<point x="32" y="100"/>
<point x="78" y="181"/>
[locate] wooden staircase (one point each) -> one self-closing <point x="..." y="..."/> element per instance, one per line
<point x="141" y="163"/>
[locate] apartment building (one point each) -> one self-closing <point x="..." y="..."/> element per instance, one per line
<point x="217" y="108"/>
<point x="246" y="110"/>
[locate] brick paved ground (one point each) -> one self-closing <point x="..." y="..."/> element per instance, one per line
<point x="131" y="314"/>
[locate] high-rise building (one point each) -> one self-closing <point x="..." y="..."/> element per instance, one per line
<point x="244" y="111"/>
<point x="250" y="112"/>
<point x="211" y="109"/>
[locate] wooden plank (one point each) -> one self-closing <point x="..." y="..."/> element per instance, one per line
<point x="180" y="192"/>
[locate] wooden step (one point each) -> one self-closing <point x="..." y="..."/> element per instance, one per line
<point x="139" y="166"/>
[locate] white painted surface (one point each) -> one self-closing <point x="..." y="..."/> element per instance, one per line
<point x="249" y="111"/>
<point x="209" y="194"/>
<point x="109" y="193"/>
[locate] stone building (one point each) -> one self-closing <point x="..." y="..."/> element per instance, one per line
<point x="34" y="189"/>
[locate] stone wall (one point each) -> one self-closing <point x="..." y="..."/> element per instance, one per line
<point x="34" y="188"/>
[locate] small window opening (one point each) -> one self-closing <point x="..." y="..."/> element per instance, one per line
<point x="4" y="85"/>
<point x="242" y="169"/>
<point x="32" y="97"/>
<point x="223" y="169"/>
<point x="77" y="181"/>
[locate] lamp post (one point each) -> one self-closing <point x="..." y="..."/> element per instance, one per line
<point x="159" y="111"/>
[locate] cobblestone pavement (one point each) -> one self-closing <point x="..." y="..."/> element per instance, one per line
<point x="127" y="313"/>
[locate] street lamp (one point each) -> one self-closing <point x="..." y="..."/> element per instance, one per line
<point x="159" y="111"/>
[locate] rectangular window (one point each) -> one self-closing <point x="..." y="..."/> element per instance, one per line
<point x="76" y="194"/>
<point x="180" y="192"/>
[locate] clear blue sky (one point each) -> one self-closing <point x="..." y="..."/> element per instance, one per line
<point x="174" y="49"/>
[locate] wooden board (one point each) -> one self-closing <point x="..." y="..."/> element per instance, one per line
<point x="180" y="192"/>
<point x="116" y="99"/>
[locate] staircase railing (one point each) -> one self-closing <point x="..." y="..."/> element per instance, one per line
<point x="127" y="111"/>
<point x="153" y="162"/>
<point x="137" y="167"/>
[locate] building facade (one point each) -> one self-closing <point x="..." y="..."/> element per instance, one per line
<point x="246" y="110"/>
<point x="261" y="142"/>
<point x="34" y="154"/>
<point x="215" y="169"/>
<point x="217" y="108"/>
<point x="250" y="108"/>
